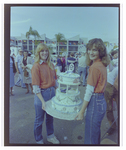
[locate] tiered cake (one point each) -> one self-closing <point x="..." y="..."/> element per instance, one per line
<point x="67" y="99"/>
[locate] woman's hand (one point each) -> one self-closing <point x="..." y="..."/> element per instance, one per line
<point x="43" y="105"/>
<point x="79" y="116"/>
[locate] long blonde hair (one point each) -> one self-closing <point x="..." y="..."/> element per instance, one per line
<point x="39" y="48"/>
<point x="102" y="51"/>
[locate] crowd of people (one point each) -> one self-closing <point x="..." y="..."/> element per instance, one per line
<point x="21" y="66"/>
<point x="95" y="65"/>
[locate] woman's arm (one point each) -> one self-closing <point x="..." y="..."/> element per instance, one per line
<point x="88" y="94"/>
<point x="16" y="65"/>
<point x="80" y="115"/>
<point x="22" y="65"/>
<point x="37" y="91"/>
<point x="42" y="100"/>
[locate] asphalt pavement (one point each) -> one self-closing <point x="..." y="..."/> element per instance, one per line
<point x="21" y="123"/>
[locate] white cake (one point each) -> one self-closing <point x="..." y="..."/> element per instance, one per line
<point x="69" y="77"/>
<point x="67" y="99"/>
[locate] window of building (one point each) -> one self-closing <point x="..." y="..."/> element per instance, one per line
<point x="24" y="41"/>
<point x="73" y="42"/>
<point x="30" y="47"/>
<point x="19" y="41"/>
<point x="62" y="43"/>
<point x="73" y="48"/>
<point x="24" y="47"/>
<point x="30" y="41"/>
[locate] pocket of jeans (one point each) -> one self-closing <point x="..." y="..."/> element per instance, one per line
<point x="46" y="94"/>
<point x="101" y="106"/>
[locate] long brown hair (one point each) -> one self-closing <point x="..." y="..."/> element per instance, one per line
<point x="39" y="48"/>
<point x="99" y="45"/>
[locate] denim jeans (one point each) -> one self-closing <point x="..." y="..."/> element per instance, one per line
<point x="96" y="110"/>
<point x="82" y="70"/>
<point x="47" y="94"/>
<point x="20" y="79"/>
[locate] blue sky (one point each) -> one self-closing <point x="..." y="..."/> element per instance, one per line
<point x="88" y="22"/>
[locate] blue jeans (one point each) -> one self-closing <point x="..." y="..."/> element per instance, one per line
<point x="96" y="110"/>
<point x="47" y="94"/>
<point x="20" y="79"/>
<point x="82" y="70"/>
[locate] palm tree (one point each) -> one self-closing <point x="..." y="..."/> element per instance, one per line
<point x="60" y="38"/>
<point x="36" y="34"/>
<point x="27" y="36"/>
<point x="32" y="32"/>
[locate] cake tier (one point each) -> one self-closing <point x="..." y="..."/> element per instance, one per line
<point x="66" y="105"/>
<point x="71" y="94"/>
<point x="69" y="77"/>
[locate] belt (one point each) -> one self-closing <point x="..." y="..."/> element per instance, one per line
<point x="98" y="94"/>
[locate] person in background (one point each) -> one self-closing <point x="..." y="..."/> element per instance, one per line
<point x="94" y="100"/>
<point x="111" y="92"/>
<point x="29" y="54"/>
<point x="14" y="56"/>
<point x="82" y="67"/>
<point x="110" y="66"/>
<point x="115" y="58"/>
<point x="12" y="72"/>
<point x="114" y="61"/>
<point x="18" y="64"/>
<point x="63" y="63"/>
<point x="27" y="75"/>
<point x="43" y="80"/>
<point x="76" y="62"/>
<point x="59" y="63"/>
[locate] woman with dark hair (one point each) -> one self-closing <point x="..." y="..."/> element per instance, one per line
<point x="12" y="72"/>
<point x="94" y="100"/>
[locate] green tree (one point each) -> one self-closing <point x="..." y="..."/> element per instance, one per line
<point x="32" y="32"/>
<point x="60" y="38"/>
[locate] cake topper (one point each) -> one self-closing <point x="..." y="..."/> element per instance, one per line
<point x="71" y="67"/>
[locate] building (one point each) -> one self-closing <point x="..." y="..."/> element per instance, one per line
<point x="73" y="44"/>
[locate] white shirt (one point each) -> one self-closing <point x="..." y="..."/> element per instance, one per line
<point x="89" y="92"/>
<point x="82" y="61"/>
<point x="111" y="76"/>
<point x="18" y="59"/>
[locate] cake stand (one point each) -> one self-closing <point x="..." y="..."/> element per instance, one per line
<point x="58" y="114"/>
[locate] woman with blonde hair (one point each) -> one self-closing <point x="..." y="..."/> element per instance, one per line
<point x="43" y="81"/>
<point x="94" y="100"/>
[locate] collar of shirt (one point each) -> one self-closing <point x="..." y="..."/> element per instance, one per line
<point x="41" y="61"/>
<point x="98" y="60"/>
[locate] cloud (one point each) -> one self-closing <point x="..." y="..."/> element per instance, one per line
<point x="22" y="21"/>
